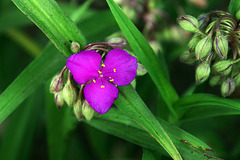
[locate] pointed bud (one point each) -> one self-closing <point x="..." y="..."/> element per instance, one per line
<point x="202" y="72"/>
<point x="237" y="79"/>
<point x="188" y="58"/>
<point x="75" y="47"/>
<point x="221" y="45"/>
<point x="203" y="47"/>
<point x="56" y="84"/>
<point x="223" y="67"/>
<point x="193" y="42"/>
<point x="134" y="83"/>
<point x="69" y="93"/>
<point x="77" y="108"/>
<point x="59" y="99"/>
<point x="215" y="80"/>
<point x="227" y="87"/>
<point x="203" y="20"/>
<point x="188" y="23"/>
<point x="141" y="70"/>
<point x="87" y="111"/>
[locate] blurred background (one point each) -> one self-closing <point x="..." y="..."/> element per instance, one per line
<point x="27" y="133"/>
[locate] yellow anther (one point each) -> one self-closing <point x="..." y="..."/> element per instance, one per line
<point x="111" y="80"/>
<point x="103" y="65"/>
<point x="110" y="77"/>
<point x="99" y="72"/>
<point x="102" y="86"/>
<point x="114" y="70"/>
<point x="94" y="81"/>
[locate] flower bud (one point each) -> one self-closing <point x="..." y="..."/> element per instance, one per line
<point x="87" y="111"/>
<point x="141" y="70"/>
<point x="215" y="80"/>
<point x="56" y="84"/>
<point x="188" y="58"/>
<point x="69" y="93"/>
<point x="221" y="45"/>
<point x="77" y="109"/>
<point x="227" y="87"/>
<point x="188" y="23"/>
<point x="193" y="42"/>
<point x="223" y="67"/>
<point x="237" y="79"/>
<point x="75" y="47"/>
<point x="134" y="83"/>
<point x="203" y="47"/>
<point x="59" y="99"/>
<point x="202" y="72"/>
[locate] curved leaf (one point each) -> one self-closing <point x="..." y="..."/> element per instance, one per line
<point x="132" y="105"/>
<point x="50" y="18"/>
<point x="145" y="55"/>
<point x="120" y="125"/>
<point x="198" y="106"/>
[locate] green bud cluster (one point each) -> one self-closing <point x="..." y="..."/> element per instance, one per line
<point x="214" y="47"/>
<point x="65" y="91"/>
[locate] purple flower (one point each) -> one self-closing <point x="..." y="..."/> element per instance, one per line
<point x="119" y="68"/>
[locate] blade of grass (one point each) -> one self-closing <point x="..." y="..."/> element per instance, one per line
<point x="21" y="128"/>
<point x="50" y="18"/>
<point x="40" y="70"/>
<point x="149" y="155"/>
<point x="145" y="55"/>
<point x="132" y="105"/>
<point x="199" y="106"/>
<point x="60" y="123"/>
<point x="120" y="125"/>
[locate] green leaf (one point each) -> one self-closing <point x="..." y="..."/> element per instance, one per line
<point x="40" y="70"/>
<point x="199" y="106"/>
<point x="21" y="128"/>
<point x="60" y="123"/>
<point x="148" y="155"/>
<point x="145" y="55"/>
<point x="132" y="105"/>
<point x="50" y="18"/>
<point x="118" y="124"/>
<point x="234" y="7"/>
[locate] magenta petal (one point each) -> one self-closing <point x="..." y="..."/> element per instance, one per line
<point x="84" y="65"/>
<point x="120" y="68"/>
<point x="100" y="94"/>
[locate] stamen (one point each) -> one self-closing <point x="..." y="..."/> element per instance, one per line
<point x="111" y="80"/>
<point x="114" y="70"/>
<point x="110" y="77"/>
<point x="103" y="65"/>
<point x="94" y="81"/>
<point x="99" y="72"/>
<point x="102" y="86"/>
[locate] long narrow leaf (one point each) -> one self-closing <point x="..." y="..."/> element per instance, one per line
<point x="40" y="70"/>
<point x="59" y="124"/>
<point x="131" y="104"/>
<point x="145" y="55"/>
<point x="120" y="125"/>
<point x="234" y="7"/>
<point x="50" y="18"/>
<point x="199" y="106"/>
<point x="21" y="128"/>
